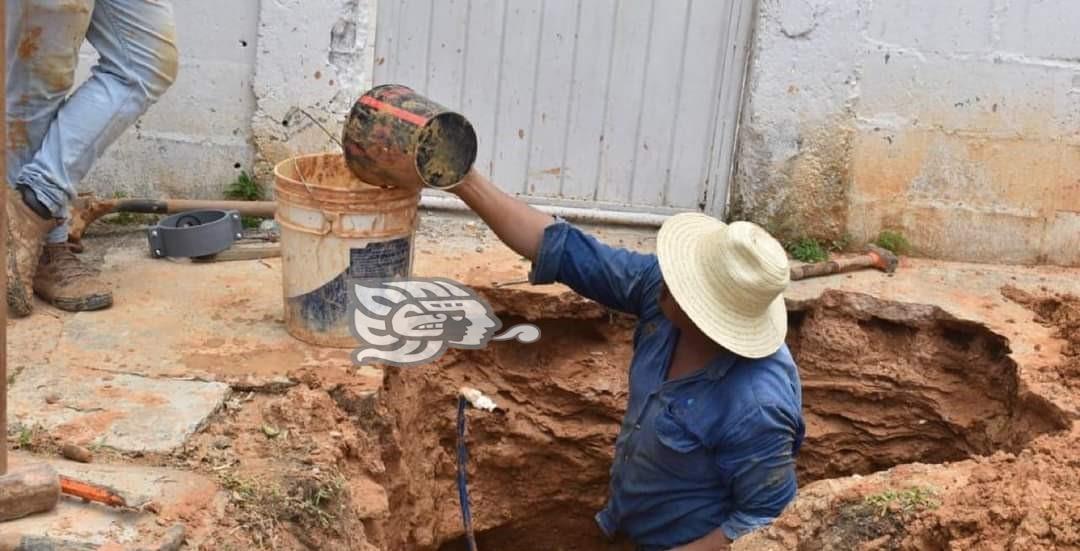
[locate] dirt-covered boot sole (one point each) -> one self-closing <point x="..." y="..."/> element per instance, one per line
<point x="83" y="304"/>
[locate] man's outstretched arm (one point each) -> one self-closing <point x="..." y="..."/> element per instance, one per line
<point x="516" y="223"/>
<point x="617" y="278"/>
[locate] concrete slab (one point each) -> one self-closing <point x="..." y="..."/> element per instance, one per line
<point x="219" y="321"/>
<point x="126" y="412"/>
<point x="76" y="525"/>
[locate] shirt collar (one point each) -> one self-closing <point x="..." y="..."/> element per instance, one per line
<point x="719" y="366"/>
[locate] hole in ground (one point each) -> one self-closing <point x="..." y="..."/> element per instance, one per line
<point x="884" y="384"/>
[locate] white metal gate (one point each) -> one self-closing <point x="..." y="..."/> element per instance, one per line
<point x="627" y="104"/>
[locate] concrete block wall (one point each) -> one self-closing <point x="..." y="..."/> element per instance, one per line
<point x="956" y="123"/>
<point x="247" y="69"/>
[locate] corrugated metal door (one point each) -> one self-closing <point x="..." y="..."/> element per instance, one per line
<point x="622" y="105"/>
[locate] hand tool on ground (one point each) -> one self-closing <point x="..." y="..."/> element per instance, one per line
<point x="96" y="493"/>
<point x="88" y="208"/>
<point x="30" y="490"/>
<point x="37" y="489"/>
<point x="875" y="257"/>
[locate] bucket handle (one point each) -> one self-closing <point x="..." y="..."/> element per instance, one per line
<point x="327" y="224"/>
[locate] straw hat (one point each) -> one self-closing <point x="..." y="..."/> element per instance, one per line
<point x="729" y="280"/>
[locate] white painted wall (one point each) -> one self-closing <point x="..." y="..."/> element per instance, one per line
<point x="955" y="122"/>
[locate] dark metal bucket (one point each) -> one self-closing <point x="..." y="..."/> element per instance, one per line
<point x="395" y="137"/>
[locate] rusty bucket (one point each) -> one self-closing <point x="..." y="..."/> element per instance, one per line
<point x="395" y="137"/>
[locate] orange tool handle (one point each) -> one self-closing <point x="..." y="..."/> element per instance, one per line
<point x="91" y="492"/>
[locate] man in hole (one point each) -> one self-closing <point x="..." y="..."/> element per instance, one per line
<point x="706" y="452"/>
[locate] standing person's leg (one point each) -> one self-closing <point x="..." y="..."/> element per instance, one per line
<point x="42" y="40"/>
<point x="135" y="40"/>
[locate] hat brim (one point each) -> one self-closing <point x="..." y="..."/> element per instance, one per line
<point x="678" y="248"/>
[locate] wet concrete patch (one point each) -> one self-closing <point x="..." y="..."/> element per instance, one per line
<point x="125" y="412"/>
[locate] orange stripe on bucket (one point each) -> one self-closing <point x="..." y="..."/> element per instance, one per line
<point x="395" y="111"/>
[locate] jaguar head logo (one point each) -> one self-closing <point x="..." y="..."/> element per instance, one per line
<point x="414" y="321"/>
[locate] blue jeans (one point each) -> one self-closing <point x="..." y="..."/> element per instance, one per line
<point x="54" y="138"/>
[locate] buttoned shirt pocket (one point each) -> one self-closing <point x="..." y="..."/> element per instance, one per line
<point x="680" y="449"/>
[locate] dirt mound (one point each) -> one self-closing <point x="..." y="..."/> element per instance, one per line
<point x="1061" y="311"/>
<point x="296" y="473"/>
<point x="1026" y="501"/>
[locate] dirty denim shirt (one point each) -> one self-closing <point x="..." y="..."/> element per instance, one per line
<point x="715" y="449"/>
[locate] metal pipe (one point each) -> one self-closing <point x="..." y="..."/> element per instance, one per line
<point x="573" y="214"/>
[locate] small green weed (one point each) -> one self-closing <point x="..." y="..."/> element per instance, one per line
<point x="26" y="437"/>
<point x="310" y="502"/>
<point x="807" y="250"/>
<point x="840" y="244"/>
<point x="907" y="501"/>
<point x="244" y="188"/>
<point x="893" y="241"/>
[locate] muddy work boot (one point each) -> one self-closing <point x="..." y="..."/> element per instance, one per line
<point x="67" y="283"/>
<point x="28" y="223"/>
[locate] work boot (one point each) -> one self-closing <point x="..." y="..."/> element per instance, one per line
<point x="67" y="283"/>
<point x="28" y="223"/>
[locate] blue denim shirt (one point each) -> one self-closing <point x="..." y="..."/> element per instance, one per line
<point x="714" y="449"/>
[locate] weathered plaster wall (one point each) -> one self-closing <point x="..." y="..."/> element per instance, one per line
<point x="956" y="123"/>
<point x="247" y="69"/>
<point x="196" y="139"/>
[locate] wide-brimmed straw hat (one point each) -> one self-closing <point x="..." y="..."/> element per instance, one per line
<point x="729" y="279"/>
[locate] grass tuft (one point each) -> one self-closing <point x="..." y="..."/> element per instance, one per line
<point x="311" y="503"/>
<point x="244" y="188"/>
<point x="807" y="250"/>
<point x="902" y="501"/>
<point x="893" y="241"/>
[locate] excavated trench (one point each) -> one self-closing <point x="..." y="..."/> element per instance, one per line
<point x="883" y="384"/>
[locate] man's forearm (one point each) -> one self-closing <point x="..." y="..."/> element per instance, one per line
<point x="516" y="223"/>
<point x="717" y="540"/>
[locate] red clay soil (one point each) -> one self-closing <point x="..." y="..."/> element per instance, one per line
<point x="974" y="459"/>
<point x="538" y="468"/>
<point x="886" y="384"/>
<point x="1062" y="312"/>
<point x="1022" y="499"/>
<point x="1027" y="501"/>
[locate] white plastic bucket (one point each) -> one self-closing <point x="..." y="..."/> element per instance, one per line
<point x="335" y="227"/>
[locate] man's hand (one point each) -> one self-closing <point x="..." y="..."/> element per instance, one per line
<point x="715" y="541"/>
<point x="517" y="224"/>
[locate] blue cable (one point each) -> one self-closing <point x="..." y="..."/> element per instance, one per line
<point x="462" y="479"/>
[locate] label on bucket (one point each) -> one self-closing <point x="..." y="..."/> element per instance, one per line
<point x="327" y="308"/>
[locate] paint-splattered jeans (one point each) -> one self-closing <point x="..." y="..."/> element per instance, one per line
<point x="54" y="138"/>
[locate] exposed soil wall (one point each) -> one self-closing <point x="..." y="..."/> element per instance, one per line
<point x="886" y="384"/>
<point x="538" y="468"/>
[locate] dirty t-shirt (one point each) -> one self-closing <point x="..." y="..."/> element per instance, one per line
<point x="714" y="449"/>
